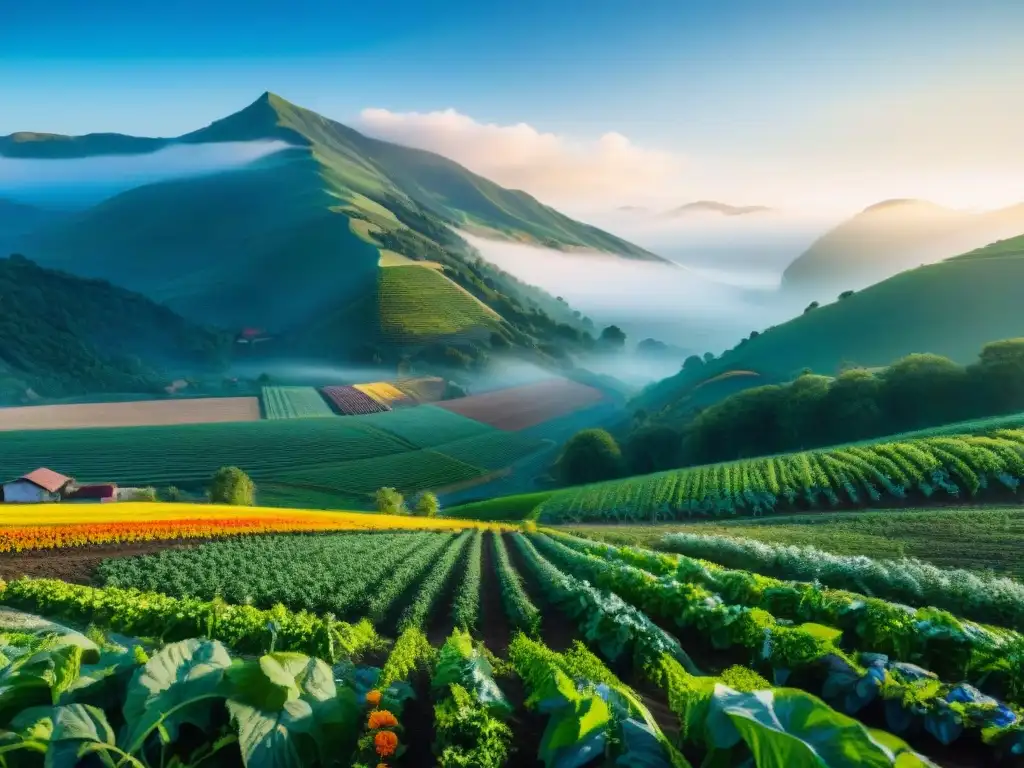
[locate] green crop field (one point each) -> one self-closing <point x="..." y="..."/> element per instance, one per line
<point x="912" y="471"/>
<point x="417" y="302"/>
<point x="493" y="450"/>
<point x="349" y="457"/>
<point x="294" y="403"/>
<point x="493" y="630"/>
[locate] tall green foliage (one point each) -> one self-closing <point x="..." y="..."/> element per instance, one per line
<point x="230" y="485"/>
<point x="589" y="456"/>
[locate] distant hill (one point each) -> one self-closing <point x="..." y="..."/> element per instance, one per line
<point x="63" y="335"/>
<point x="300" y="233"/>
<point x="892" y="236"/>
<point x="18" y="219"/>
<point x="712" y="206"/>
<point x="950" y="308"/>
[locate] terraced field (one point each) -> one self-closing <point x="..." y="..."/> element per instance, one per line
<point x="502" y="638"/>
<point x="417" y="303"/>
<point x="294" y="403"/>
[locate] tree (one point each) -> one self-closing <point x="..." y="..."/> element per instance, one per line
<point x="589" y="456"/>
<point x="613" y="337"/>
<point x="693" y="363"/>
<point x="708" y="357"/>
<point x="498" y="341"/>
<point x="812" y="305"/>
<point x="653" y="448"/>
<point x="172" y="493"/>
<point x="390" y="502"/>
<point x="427" y="505"/>
<point x="263" y="378"/>
<point x="230" y="485"/>
<point x="845" y="295"/>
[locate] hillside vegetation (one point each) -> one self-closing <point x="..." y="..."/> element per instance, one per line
<point x="297" y="236"/>
<point x="951" y="308"/>
<point x="62" y="335"/>
<point x="892" y="236"/>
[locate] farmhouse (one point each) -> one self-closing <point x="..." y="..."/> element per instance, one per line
<point x="39" y="485"/>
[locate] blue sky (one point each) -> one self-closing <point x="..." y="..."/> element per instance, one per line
<point x="785" y="88"/>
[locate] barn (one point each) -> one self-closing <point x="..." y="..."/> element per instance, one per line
<point x="93" y="493"/>
<point x="37" y="486"/>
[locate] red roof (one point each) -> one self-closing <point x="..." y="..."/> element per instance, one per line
<point x="46" y="479"/>
<point x="101" y="491"/>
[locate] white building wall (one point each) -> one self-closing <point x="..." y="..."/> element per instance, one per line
<point x="25" y="492"/>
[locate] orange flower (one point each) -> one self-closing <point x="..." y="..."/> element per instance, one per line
<point x="381" y="719"/>
<point x="386" y="743"/>
<point x="373" y="697"/>
<point x="382" y="765"/>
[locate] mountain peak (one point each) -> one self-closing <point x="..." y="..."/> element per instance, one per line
<point x="714" y="206"/>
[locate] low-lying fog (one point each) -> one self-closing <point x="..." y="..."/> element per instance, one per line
<point x="682" y="305"/>
<point x="86" y="180"/>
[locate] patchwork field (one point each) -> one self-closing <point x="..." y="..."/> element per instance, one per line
<point x="525" y="406"/>
<point x="385" y="393"/>
<point x="294" y="403"/>
<point x="127" y="414"/>
<point x="346" y="458"/>
<point x="349" y="401"/>
<point x="503" y="637"/>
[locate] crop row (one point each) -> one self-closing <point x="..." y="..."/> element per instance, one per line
<point x="858" y="475"/>
<point x="809" y="655"/>
<point x="385" y="393"/>
<point x="293" y="403"/>
<point x="981" y="597"/>
<point x="351" y="402"/>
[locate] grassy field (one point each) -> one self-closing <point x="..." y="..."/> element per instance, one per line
<point x="504" y="508"/>
<point x="294" y="403"/>
<point x="974" y="538"/>
<point x="418" y="302"/>
<point x="347" y="457"/>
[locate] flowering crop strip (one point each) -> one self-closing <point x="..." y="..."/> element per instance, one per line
<point x="80" y="525"/>
<point x="147" y="614"/>
<point x="327" y="572"/>
<point x="956" y="465"/>
<point x="912" y="694"/>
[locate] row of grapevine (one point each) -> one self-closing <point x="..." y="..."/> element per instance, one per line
<point x="954" y="466"/>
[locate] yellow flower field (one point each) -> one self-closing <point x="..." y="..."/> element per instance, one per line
<point x="58" y="526"/>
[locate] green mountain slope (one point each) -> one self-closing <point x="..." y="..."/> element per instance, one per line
<point x="951" y="308"/>
<point x="300" y="232"/>
<point x="893" y="236"/>
<point x="18" y="219"/>
<point x="62" y="335"/>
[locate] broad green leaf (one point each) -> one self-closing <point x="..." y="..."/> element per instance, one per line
<point x="792" y="729"/>
<point x="573" y="727"/>
<point x="313" y="678"/>
<point x="262" y="683"/>
<point x="274" y="739"/>
<point x="641" y="747"/>
<point x="77" y="730"/>
<point x="177" y="685"/>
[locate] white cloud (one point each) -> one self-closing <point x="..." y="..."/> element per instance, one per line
<point x="607" y="170"/>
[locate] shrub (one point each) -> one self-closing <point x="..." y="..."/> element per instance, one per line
<point x="589" y="456"/>
<point x="230" y="485"/>
<point x="427" y="505"/>
<point x="390" y="502"/>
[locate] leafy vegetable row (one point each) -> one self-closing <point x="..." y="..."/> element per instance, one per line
<point x="604" y="619"/>
<point x="951" y="647"/>
<point x="432" y="583"/>
<point x="517" y="604"/>
<point x="592" y="715"/>
<point x="991" y="599"/>
<point x="387" y="591"/>
<point x="806" y="654"/>
<point x="148" y="614"/>
<point x="738" y="716"/>
<point x="466" y="606"/>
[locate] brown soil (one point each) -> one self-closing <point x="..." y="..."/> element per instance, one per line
<point x="78" y="564"/>
<point x="418" y="724"/>
<point x="527" y="725"/>
<point x="492" y="626"/>
<point x="557" y="631"/>
<point x="205" y="410"/>
<point x="526" y="406"/>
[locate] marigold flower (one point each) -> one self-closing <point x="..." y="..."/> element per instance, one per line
<point x="381" y="719"/>
<point x="373" y="697"/>
<point x="382" y="765"/>
<point x="386" y="743"/>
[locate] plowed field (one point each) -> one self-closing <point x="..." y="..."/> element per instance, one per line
<point x="525" y="406"/>
<point x="206" y="410"/>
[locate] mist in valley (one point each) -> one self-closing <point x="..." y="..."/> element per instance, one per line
<point x="77" y="182"/>
<point x="673" y="303"/>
